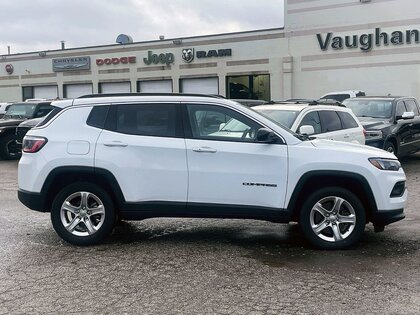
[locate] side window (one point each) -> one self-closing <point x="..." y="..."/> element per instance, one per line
<point x="330" y="121"/>
<point x="214" y="122"/>
<point x="160" y="120"/>
<point x="347" y="120"/>
<point x="97" y="116"/>
<point x="412" y="107"/>
<point x="312" y="119"/>
<point x="400" y="109"/>
<point x="43" y="110"/>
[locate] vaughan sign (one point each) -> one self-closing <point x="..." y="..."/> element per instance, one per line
<point x="366" y="42"/>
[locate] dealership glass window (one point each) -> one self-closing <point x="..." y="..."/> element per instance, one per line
<point x="41" y="92"/>
<point x="249" y="87"/>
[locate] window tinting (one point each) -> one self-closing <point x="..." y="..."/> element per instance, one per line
<point x="412" y="106"/>
<point x="330" y="121"/>
<point x="312" y="119"/>
<point x="158" y="120"/>
<point x="347" y="120"/>
<point x="400" y="109"/>
<point x="97" y="116"/>
<point x="43" y="110"/>
<point x="220" y="123"/>
<point x="50" y="116"/>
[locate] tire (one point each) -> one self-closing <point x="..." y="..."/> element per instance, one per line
<point x="8" y="148"/>
<point x="390" y="147"/>
<point x="325" y="227"/>
<point x="83" y="223"/>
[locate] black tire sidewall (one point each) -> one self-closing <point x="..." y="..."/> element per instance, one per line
<point x="4" y="152"/>
<point x="339" y="192"/>
<point x="390" y="144"/>
<point x="99" y="235"/>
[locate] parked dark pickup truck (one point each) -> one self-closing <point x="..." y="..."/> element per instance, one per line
<point x="15" y="114"/>
<point x="392" y="123"/>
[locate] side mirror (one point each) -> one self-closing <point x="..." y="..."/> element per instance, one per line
<point x="407" y="115"/>
<point x="221" y="126"/>
<point x="265" y="135"/>
<point x="306" y="130"/>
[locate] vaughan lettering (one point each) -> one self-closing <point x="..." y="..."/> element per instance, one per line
<point x="365" y="42"/>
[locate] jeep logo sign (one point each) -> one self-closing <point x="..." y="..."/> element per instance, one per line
<point x="165" y="59"/>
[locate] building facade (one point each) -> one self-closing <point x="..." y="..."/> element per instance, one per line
<point x="326" y="45"/>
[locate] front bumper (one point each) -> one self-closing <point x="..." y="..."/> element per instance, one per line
<point x="382" y="218"/>
<point x="34" y="201"/>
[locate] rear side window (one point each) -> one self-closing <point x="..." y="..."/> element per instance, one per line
<point x="97" y="116"/>
<point x="347" y="120"/>
<point x="50" y="116"/>
<point x="330" y="121"/>
<point x="159" y="120"/>
<point x="43" y="110"/>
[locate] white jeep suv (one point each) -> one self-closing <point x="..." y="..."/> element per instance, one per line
<point x="95" y="160"/>
<point x="333" y="122"/>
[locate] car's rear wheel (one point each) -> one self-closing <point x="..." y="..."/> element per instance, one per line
<point x="8" y="148"/>
<point x="83" y="214"/>
<point x="332" y="218"/>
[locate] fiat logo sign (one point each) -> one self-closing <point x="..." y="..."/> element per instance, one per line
<point x="9" y="69"/>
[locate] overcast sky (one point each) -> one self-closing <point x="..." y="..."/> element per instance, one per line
<point x="35" y="25"/>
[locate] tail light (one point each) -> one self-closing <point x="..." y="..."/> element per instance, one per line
<point x="33" y="144"/>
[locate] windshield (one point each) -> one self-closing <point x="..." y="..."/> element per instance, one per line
<point x="370" y="108"/>
<point x="284" y="117"/>
<point x="20" y="111"/>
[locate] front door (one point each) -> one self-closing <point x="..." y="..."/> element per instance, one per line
<point x="226" y="165"/>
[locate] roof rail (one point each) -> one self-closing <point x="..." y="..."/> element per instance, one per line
<point x="150" y="94"/>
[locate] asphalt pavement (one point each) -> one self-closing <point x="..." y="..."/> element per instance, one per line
<point x="205" y="266"/>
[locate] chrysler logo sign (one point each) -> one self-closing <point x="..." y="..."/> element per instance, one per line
<point x="69" y="64"/>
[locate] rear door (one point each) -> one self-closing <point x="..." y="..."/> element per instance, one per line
<point x="143" y="146"/>
<point x="331" y="126"/>
<point x="227" y="166"/>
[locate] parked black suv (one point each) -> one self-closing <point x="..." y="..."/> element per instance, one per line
<point x="392" y="123"/>
<point x="15" y="114"/>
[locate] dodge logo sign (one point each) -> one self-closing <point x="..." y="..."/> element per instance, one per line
<point x="9" y="69"/>
<point x="188" y="54"/>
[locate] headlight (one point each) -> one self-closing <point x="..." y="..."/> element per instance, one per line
<point x="373" y="135"/>
<point x="385" y="164"/>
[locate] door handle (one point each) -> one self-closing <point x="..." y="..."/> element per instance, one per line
<point x="115" y="144"/>
<point x="346" y="136"/>
<point x="204" y="150"/>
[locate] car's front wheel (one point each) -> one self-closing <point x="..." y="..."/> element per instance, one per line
<point x="332" y="218"/>
<point x="83" y="214"/>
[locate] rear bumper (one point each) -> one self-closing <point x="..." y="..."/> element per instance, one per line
<point x="34" y="201"/>
<point x="382" y="218"/>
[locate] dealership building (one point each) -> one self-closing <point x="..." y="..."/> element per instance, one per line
<point x="325" y="45"/>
